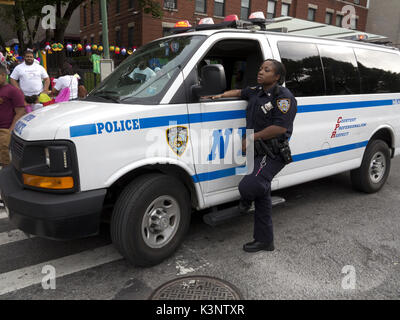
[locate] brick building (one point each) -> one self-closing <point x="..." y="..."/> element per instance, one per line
<point x="128" y="26"/>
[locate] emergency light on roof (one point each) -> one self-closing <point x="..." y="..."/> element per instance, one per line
<point x="257" y="15"/>
<point x="207" y="20"/>
<point x="232" y="17"/>
<point x="182" y="24"/>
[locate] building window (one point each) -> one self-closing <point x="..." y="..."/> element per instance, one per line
<point x="99" y="10"/>
<point x="285" y="9"/>
<point x="117" y="5"/>
<point x="84" y="16"/>
<point x="131" y="4"/>
<point x="130" y="36"/>
<point x="219" y="8"/>
<point x="201" y="6"/>
<point x="166" y="31"/>
<point x="339" y="20"/>
<point x="91" y="12"/>
<point x="328" y="18"/>
<point x="311" y="14"/>
<point x="118" y="37"/>
<point x="271" y="8"/>
<point x="245" y="9"/>
<point x="170" y="4"/>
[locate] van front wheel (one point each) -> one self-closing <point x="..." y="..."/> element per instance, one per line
<point x="375" y="168"/>
<point x="150" y="219"/>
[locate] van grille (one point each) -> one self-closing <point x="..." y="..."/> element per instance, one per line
<point x="17" y="150"/>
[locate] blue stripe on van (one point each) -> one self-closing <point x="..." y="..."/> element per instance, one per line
<point x="154" y="122"/>
<point x="213" y="175"/>
<point x="343" y="105"/>
<point x="82" y="130"/>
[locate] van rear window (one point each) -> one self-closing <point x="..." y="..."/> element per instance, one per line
<point x="379" y="71"/>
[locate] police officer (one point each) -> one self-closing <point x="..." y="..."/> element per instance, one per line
<point x="270" y="113"/>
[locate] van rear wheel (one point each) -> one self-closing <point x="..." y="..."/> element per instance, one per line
<point x="375" y="168"/>
<point x="150" y="219"/>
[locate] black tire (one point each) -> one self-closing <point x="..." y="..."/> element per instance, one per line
<point x="127" y="231"/>
<point x="364" y="178"/>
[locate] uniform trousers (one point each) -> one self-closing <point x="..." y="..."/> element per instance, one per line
<point x="257" y="188"/>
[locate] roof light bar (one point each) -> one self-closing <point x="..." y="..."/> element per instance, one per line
<point x="182" y="24"/>
<point x="232" y="17"/>
<point x="257" y="15"/>
<point x="207" y="20"/>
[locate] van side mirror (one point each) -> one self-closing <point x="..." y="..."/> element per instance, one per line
<point x="212" y="81"/>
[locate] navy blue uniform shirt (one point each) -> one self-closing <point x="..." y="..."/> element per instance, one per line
<point x="277" y="106"/>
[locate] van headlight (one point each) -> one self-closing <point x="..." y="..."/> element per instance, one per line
<point x="50" y="167"/>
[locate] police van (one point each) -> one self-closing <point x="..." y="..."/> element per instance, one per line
<point x="145" y="150"/>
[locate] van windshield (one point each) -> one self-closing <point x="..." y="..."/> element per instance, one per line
<point x="145" y="76"/>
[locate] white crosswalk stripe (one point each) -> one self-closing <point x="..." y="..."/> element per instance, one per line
<point x="28" y="276"/>
<point x="13" y="236"/>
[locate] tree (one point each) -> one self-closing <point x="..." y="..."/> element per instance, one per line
<point x="27" y="15"/>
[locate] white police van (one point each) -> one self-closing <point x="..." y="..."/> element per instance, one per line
<point x="146" y="151"/>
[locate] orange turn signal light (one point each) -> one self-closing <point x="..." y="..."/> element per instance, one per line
<point x="48" y="182"/>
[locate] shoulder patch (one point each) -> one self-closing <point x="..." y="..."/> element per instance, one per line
<point x="283" y="105"/>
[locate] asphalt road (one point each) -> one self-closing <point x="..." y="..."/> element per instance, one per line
<point x="323" y="227"/>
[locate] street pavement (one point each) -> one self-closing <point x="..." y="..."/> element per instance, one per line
<point x="324" y="229"/>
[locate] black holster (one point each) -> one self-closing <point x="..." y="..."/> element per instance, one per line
<point x="274" y="147"/>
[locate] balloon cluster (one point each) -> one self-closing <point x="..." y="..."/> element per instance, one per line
<point x="55" y="47"/>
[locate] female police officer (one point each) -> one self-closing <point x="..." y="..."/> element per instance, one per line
<point x="270" y="113"/>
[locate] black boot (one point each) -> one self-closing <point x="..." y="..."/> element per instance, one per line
<point x="258" y="246"/>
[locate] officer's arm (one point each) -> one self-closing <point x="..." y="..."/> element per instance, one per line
<point x="226" y="94"/>
<point x="269" y="132"/>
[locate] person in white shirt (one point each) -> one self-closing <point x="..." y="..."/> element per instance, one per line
<point x="67" y="80"/>
<point x="142" y="68"/>
<point x="30" y="76"/>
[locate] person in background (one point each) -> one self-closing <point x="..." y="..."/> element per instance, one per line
<point x="67" y="80"/>
<point x="12" y="107"/>
<point x="29" y="76"/>
<point x="32" y="103"/>
<point x="82" y="92"/>
<point x="143" y="69"/>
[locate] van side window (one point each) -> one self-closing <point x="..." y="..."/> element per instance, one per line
<point x="340" y="68"/>
<point x="304" y="69"/>
<point x="241" y="60"/>
<point x="380" y="71"/>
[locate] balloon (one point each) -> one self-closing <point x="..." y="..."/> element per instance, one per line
<point x="47" y="47"/>
<point x="94" y="47"/>
<point x="123" y="51"/>
<point x="79" y="46"/>
<point x="69" y="47"/>
<point x="112" y="48"/>
<point x="117" y="50"/>
<point x="88" y="47"/>
<point x="100" y="48"/>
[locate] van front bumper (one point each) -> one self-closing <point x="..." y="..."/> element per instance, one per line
<point x="48" y="215"/>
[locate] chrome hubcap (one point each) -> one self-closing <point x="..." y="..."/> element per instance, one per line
<point x="377" y="167"/>
<point x="160" y="221"/>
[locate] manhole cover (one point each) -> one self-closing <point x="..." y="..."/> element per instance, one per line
<point x="196" y="288"/>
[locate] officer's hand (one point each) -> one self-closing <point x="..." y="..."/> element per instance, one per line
<point x="218" y="96"/>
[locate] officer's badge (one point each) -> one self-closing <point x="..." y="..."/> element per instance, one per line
<point x="283" y="105"/>
<point x="177" y="138"/>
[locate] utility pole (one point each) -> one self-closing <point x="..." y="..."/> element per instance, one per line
<point x="106" y="64"/>
<point x="104" y="21"/>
